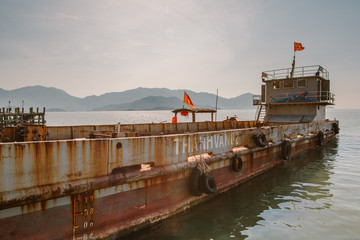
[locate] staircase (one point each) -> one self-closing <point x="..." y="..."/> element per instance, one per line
<point x="260" y="113"/>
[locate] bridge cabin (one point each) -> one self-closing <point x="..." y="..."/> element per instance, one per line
<point x="294" y="96"/>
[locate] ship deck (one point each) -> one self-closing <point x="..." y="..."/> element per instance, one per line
<point x="146" y="129"/>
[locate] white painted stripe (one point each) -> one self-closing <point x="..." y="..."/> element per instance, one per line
<point x="28" y="208"/>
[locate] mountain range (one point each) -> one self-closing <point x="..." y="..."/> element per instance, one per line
<point x="55" y="99"/>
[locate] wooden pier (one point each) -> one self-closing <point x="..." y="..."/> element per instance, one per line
<point x="13" y="119"/>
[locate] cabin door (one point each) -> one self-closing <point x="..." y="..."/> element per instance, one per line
<point x="325" y="88"/>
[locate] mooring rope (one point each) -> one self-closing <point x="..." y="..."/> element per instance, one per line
<point x="202" y="165"/>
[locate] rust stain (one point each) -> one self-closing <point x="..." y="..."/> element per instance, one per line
<point x="75" y="175"/>
<point x="19" y="164"/>
<point x="99" y="162"/>
<point x="71" y="153"/>
<point x="31" y="207"/>
<point x="58" y="159"/>
<point x="83" y="156"/>
<point x="43" y="205"/>
<point x="49" y="163"/>
<point x="160" y="151"/>
<point x="36" y="164"/>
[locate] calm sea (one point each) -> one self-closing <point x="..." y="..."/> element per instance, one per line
<point x="113" y="117"/>
<point x="313" y="196"/>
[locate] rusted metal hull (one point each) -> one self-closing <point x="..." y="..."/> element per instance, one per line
<point x="96" y="188"/>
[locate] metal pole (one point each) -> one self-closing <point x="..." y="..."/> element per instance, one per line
<point x="293" y="66"/>
<point x="183" y="101"/>
<point x="217" y="96"/>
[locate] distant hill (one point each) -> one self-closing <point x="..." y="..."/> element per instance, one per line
<point x="39" y="96"/>
<point x="55" y="110"/>
<point x="242" y="101"/>
<point x="147" y="103"/>
<point x="57" y="99"/>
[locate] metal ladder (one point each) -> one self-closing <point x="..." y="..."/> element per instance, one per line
<point x="260" y="113"/>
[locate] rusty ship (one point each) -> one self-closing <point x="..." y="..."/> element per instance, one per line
<point x="107" y="181"/>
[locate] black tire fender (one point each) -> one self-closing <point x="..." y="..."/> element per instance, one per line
<point x="208" y="184"/>
<point x="260" y="139"/>
<point x="320" y="138"/>
<point x="237" y="163"/>
<point x="194" y="184"/>
<point x="335" y="128"/>
<point x="286" y="149"/>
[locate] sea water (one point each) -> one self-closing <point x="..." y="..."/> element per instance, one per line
<point x="313" y="196"/>
<point x="126" y="117"/>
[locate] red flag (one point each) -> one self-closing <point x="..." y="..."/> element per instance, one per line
<point x="187" y="100"/>
<point x="298" y="47"/>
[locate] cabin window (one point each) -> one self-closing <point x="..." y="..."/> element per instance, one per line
<point x="289" y="84"/>
<point x="301" y="83"/>
<point x="276" y="84"/>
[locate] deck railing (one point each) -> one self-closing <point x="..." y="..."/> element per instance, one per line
<point x="306" y="71"/>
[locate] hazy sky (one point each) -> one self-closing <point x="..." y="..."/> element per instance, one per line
<point x="90" y="47"/>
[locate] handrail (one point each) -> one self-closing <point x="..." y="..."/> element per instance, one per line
<point x="305" y="71"/>
<point x="257" y="113"/>
<point x="256" y="99"/>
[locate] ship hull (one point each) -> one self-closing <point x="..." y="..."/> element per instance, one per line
<point x="102" y="191"/>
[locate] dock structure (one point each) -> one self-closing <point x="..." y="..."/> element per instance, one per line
<point x="20" y="117"/>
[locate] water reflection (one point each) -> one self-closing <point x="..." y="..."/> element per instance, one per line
<point x="270" y="206"/>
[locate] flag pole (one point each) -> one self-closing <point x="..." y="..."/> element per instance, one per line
<point x="217" y="95"/>
<point x="184" y="100"/>
<point x="297" y="47"/>
<point x="293" y="66"/>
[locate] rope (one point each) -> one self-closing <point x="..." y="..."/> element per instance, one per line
<point x="201" y="165"/>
